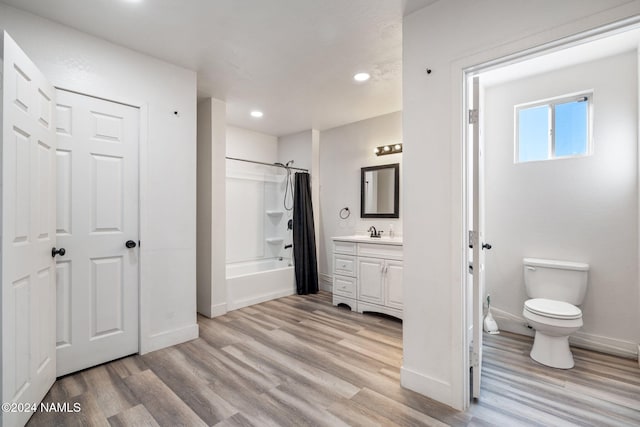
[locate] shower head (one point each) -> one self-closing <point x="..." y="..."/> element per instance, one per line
<point x="290" y="162"/>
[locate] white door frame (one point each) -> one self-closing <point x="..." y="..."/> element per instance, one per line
<point x="144" y="294"/>
<point x="460" y="72"/>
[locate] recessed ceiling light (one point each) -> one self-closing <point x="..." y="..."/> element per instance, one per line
<point x="361" y="77"/>
<point x="257" y="114"/>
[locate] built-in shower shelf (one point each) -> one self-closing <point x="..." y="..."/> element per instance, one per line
<point x="275" y="213"/>
<point x="275" y="240"/>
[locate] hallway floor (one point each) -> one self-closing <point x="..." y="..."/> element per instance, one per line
<point x="300" y="361"/>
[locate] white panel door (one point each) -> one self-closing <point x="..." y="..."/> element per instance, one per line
<point x="370" y="275"/>
<point x="97" y="213"/>
<point x="28" y="233"/>
<point x="393" y="283"/>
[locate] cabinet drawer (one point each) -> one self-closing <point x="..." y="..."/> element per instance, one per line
<point x="345" y="286"/>
<point x="377" y="250"/>
<point x="344" y="264"/>
<point x="348" y="248"/>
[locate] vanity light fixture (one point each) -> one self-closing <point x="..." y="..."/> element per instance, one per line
<point x="257" y="114"/>
<point x="388" y="149"/>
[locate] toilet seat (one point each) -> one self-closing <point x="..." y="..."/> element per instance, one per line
<point x="552" y="308"/>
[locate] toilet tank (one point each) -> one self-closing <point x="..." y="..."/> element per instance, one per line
<point x="558" y="280"/>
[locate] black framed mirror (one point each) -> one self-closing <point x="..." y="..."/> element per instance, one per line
<point x="380" y="191"/>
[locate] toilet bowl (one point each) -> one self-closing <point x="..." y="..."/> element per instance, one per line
<point x="554" y="321"/>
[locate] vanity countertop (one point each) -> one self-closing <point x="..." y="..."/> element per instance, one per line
<point x="385" y="240"/>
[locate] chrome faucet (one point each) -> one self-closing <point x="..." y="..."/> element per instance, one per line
<point x="374" y="232"/>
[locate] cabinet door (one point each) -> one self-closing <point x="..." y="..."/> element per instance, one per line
<point x="370" y="280"/>
<point x="393" y="284"/>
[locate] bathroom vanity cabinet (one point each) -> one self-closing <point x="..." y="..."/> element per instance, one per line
<point x="367" y="274"/>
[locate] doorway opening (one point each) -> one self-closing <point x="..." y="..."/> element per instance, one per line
<point x="564" y="205"/>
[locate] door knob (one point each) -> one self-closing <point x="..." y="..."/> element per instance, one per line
<point x="130" y="244"/>
<point x="486" y="246"/>
<point x="55" y="252"/>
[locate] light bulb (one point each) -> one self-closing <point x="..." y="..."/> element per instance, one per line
<point x="361" y="77"/>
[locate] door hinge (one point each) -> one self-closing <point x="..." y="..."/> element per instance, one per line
<point x="472" y="238"/>
<point x="475" y="360"/>
<point x="473" y="116"/>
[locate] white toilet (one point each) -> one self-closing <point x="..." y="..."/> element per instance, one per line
<point x="555" y="289"/>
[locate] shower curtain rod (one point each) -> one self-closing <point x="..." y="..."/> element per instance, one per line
<point x="266" y="164"/>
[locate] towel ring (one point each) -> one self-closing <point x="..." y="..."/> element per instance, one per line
<point x="347" y="211"/>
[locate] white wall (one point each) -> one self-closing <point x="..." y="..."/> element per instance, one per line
<point x="343" y="151"/>
<point x="296" y="147"/>
<point x="211" y="220"/>
<point x="581" y="209"/>
<point x="250" y="145"/>
<point x="204" y="207"/>
<point x="79" y="62"/>
<point x="448" y="37"/>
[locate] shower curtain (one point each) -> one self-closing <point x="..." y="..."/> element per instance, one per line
<point x="304" y="240"/>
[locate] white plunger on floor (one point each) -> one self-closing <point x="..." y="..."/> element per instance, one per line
<point x="490" y="324"/>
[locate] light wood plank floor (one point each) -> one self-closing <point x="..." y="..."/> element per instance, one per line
<point x="299" y="361"/>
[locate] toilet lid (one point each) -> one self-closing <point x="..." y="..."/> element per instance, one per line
<point x="553" y="308"/>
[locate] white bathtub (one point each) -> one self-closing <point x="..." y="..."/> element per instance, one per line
<point x="254" y="282"/>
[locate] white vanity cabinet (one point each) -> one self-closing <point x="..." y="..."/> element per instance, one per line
<point x="367" y="274"/>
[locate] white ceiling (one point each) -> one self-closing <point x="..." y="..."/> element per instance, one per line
<point x="292" y="59"/>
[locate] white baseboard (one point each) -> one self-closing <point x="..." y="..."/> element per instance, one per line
<point x="516" y="324"/>
<point x="607" y="345"/>
<point x="218" y="309"/>
<point x="511" y="323"/>
<point x="213" y="310"/>
<point x="169" y="338"/>
<point x="234" y="305"/>
<point x="325" y="282"/>
<point x="428" y="386"/>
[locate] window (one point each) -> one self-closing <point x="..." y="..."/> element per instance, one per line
<point x="551" y="129"/>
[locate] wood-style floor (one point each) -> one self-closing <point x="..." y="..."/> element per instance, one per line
<point x="299" y="361"/>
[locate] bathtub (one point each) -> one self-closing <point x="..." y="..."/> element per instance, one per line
<point x="254" y="282"/>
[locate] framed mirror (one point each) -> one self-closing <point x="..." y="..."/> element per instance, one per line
<point x="380" y="191"/>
